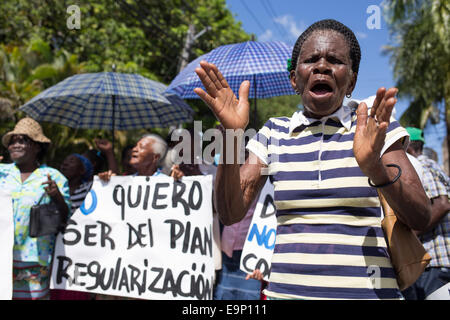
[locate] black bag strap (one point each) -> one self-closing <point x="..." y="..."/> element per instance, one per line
<point x="42" y="197"/>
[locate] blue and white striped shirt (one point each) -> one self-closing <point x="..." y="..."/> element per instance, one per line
<point x="330" y="244"/>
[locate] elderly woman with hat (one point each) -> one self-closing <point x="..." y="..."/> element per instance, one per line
<point x="28" y="180"/>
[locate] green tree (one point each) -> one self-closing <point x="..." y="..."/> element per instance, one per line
<point x="27" y="70"/>
<point x="421" y="57"/>
<point x="143" y="36"/>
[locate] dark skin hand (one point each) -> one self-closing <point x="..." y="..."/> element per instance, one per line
<point x="51" y="188"/>
<point x="440" y="206"/>
<point x="369" y="140"/>
<point x="105" y="146"/>
<point x="326" y="60"/>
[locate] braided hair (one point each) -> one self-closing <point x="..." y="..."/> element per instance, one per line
<point x="329" y="24"/>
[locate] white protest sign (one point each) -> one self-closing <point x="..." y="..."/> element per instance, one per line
<point x="140" y="237"/>
<point x="6" y="249"/>
<point x="260" y="242"/>
<point x="443" y="293"/>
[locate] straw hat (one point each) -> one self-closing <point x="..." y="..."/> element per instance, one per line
<point x="28" y="127"/>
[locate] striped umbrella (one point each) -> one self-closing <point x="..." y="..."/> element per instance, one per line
<point x="109" y="100"/>
<point x="264" y="64"/>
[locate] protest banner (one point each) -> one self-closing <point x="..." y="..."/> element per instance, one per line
<point x="140" y="237"/>
<point x="6" y="249"/>
<point x="443" y="293"/>
<point x="260" y="241"/>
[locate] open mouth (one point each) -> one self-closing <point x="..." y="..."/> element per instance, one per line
<point x="133" y="157"/>
<point x="321" y="89"/>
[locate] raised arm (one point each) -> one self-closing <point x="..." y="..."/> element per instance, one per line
<point x="235" y="186"/>
<point x="405" y="196"/>
<point x="106" y="147"/>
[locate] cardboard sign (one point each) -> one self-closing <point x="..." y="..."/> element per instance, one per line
<point x="260" y="242"/>
<point x="6" y="249"/>
<point x="140" y="237"/>
<point x="443" y="293"/>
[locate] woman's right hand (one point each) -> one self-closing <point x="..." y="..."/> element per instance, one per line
<point x="256" y="274"/>
<point x="231" y="112"/>
<point x="176" y="172"/>
<point x="106" y="176"/>
<point x="104" y="145"/>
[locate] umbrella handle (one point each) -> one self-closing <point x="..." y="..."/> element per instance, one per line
<point x="113" y="120"/>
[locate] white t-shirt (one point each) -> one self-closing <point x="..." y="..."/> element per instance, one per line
<point x="417" y="166"/>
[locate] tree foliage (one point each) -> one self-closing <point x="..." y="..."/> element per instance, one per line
<point x="38" y="49"/>
<point x="420" y="54"/>
<point x="144" y="36"/>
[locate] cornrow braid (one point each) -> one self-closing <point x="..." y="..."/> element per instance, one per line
<point x="329" y="24"/>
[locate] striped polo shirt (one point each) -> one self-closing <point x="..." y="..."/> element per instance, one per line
<point x="329" y="243"/>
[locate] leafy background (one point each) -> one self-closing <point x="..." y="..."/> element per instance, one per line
<point x="37" y="50"/>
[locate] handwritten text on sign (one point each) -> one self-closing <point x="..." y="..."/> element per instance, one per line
<point x="260" y="242"/>
<point x="142" y="237"/>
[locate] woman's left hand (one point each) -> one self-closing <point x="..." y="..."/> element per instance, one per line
<point x="53" y="191"/>
<point x="176" y="172"/>
<point x="371" y="132"/>
<point x="256" y="274"/>
<point x="51" y="188"/>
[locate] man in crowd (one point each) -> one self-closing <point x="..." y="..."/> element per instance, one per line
<point x="146" y="156"/>
<point x="435" y="238"/>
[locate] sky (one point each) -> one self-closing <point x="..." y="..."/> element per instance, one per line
<point x="285" y="20"/>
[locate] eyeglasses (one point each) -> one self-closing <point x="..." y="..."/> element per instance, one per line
<point x="22" y="140"/>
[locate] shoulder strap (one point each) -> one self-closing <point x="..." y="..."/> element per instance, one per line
<point x="42" y="197"/>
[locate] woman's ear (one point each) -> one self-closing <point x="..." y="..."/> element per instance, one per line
<point x="293" y="80"/>
<point x="352" y="84"/>
<point x="157" y="158"/>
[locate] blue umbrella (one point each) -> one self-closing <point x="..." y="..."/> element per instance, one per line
<point x="108" y="100"/>
<point x="264" y="64"/>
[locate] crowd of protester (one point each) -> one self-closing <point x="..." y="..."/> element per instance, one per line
<point x="322" y="219"/>
<point x="27" y="145"/>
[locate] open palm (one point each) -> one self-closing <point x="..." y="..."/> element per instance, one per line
<point x="371" y="129"/>
<point x="231" y="112"/>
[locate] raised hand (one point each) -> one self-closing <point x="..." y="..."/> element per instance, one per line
<point x="371" y="130"/>
<point x="106" y="175"/>
<point x="51" y="188"/>
<point x="176" y="172"/>
<point x="103" y="145"/>
<point x="231" y="112"/>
